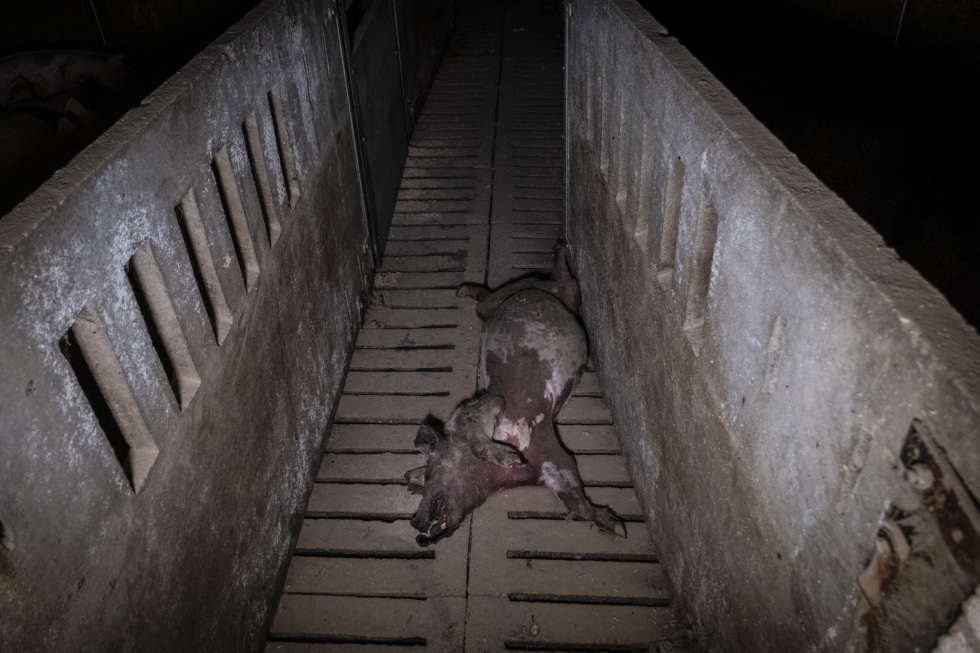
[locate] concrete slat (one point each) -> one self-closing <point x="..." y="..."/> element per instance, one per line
<point x="354" y="499"/>
<point x="585" y="410"/>
<point x="393" y="338"/>
<point x="428" y="248"/>
<point x="395" y="408"/>
<point x="412" y="280"/>
<point x="377" y="538"/>
<point x="436" y="620"/>
<point x="417" y="298"/>
<point x="404" y="359"/>
<point x="588" y="385"/>
<point x="436" y="233"/>
<point x="617" y="582"/>
<point x="498" y="624"/>
<point x="439" y="217"/>
<point x="349" y="438"/>
<point x="494" y="534"/>
<point x="379" y="317"/>
<point x="375" y="577"/>
<point x="409" y="383"/>
<point x="542" y="500"/>
<point x="586" y="438"/>
<point x="364" y="468"/>
<point x="603" y="469"/>
<point x="451" y="263"/>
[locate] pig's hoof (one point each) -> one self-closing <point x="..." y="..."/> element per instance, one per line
<point x="472" y="291"/>
<point x="508" y="458"/>
<point x="607" y="520"/>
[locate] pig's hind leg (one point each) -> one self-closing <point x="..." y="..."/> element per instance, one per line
<point x="565" y="482"/>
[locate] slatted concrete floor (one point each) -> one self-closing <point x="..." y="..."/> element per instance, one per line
<point x="481" y="201"/>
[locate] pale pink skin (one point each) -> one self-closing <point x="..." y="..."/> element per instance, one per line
<point x="534" y="350"/>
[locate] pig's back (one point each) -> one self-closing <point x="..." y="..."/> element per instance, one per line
<point x="533" y="344"/>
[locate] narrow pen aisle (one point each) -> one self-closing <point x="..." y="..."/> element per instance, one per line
<point x="481" y="201"/>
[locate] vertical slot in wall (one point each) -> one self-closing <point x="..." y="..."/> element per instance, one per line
<point x="260" y="173"/>
<point x="189" y="217"/>
<point x="626" y="151"/>
<point x="646" y="201"/>
<point x="699" y="283"/>
<point x="163" y="325"/>
<point x="673" y="195"/>
<point x="590" y="94"/>
<point x="231" y="199"/>
<point x="603" y="119"/>
<point x="102" y="380"/>
<point x="286" y="159"/>
<point x="6" y="537"/>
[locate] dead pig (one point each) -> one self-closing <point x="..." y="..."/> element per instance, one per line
<point x="533" y="354"/>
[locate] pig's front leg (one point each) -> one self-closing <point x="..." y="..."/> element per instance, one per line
<point x="476" y="420"/>
<point x="565" y="482"/>
<point x="416" y="480"/>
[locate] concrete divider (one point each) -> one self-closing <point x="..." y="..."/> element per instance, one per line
<point x="178" y="306"/>
<point x="799" y="407"/>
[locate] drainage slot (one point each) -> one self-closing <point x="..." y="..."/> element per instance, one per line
<point x="102" y="380"/>
<point x="697" y="289"/>
<point x="342" y="639"/>
<point x="231" y="199"/>
<point x="569" y="647"/>
<point x="600" y="557"/>
<point x="260" y="173"/>
<point x="285" y="147"/>
<point x="654" y="602"/>
<point x="192" y="228"/>
<point x="163" y="325"/>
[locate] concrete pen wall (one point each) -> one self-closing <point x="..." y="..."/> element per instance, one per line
<point x="799" y="407"/>
<point x="178" y="306"/>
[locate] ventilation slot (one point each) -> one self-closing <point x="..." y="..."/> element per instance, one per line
<point x="604" y="126"/>
<point x="671" y="219"/>
<point x="189" y="217"/>
<point x="260" y="173"/>
<point x="592" y="98"/>
<point x="644" y="203"/>
<point x="101" y="377"/>
<point x="697" y="290"/>
<point x="626" y="154"/>
<point x="163" y="326"/>
<point x="774" y="354"/>
<point x="285" y="149"/>
<point x="6" y="537"/>
<point x="235" y="213"/>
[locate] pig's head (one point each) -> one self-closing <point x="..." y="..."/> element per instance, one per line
<point x="455" y="479"/>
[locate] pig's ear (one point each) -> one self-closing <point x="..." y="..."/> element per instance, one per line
<point x="426" y="440"/>
<point x="491" y="406"/>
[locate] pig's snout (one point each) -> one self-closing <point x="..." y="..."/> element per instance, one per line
<point x="434" y="520"/>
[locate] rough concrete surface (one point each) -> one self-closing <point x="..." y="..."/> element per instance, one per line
<point x="93" y="558"/>
<point x="800" y="407"/>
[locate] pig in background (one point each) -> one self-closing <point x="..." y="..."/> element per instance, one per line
<point x="52" y="104"/>
<point x="533" y="352"/>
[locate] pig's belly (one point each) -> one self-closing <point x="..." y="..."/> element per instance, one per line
<point x="533" y="349"/>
